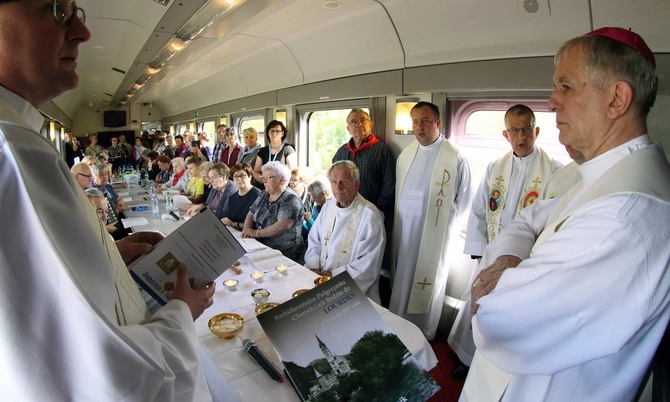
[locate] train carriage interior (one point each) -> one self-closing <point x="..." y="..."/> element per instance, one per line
<point x="179" y="65"/>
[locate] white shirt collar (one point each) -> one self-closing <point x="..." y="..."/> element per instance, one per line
<point x="593" y="169"/>
<point x="433" y="145"/>
<point x="31" y="115"/>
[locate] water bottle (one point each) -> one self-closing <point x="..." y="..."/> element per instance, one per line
<point x="155" y="209"/>
<point x="168" y="201"/>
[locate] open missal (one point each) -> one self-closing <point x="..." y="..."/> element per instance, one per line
<point x="203" y="243"/>
<point x="335" y="346"/>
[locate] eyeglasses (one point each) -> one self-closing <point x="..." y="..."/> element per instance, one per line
<point x="240" y="176"/>
<point x="268" y="178"/>
<point x="65" y="10"/>
<point x="516" y="130"/>
<point x="88" y="176"/>
<point x="355" y="122"/>
<point x="277" y="131"/>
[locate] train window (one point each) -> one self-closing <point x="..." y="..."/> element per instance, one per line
<point x="257" y="122"/>
<point x="179" y="129"/>
<point x="281" y="116"/>
<point x="327" y="131"/>
<point x="208" y="126"/>
<point x="477" y="128"/>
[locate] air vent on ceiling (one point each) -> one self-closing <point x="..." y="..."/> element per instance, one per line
<point x="532" y="8"/>
<point x="110" y="95"/>
<point x="162" y="2"/>
<point x="118" y="70"/>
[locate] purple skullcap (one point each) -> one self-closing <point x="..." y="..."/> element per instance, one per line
<point x="628" y="37"/>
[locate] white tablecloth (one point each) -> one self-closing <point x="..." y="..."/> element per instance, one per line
<point x="166" y="224"/>
<point x="244" y="375"/>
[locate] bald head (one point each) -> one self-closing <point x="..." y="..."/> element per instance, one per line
<point x="82" y="174"/>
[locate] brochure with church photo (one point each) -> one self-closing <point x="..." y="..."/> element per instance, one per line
<point x="203" y="243"/>
<point x="335" y="346"/>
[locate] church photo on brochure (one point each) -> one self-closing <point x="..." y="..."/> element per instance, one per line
<point x="342" y="349"/>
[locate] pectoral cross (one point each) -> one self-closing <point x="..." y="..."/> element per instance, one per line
<point x="326" y="239"/>
<point x="424" y="283"/>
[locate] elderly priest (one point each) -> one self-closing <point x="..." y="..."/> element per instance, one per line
<point x="348" y="235"/>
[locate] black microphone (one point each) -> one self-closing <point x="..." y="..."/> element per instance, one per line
<point x="256" y="354"/>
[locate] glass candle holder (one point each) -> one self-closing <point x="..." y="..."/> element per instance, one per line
<point x="231" y="284"/>
<point x="257" y="276"/>
<point x="282" y="269"/>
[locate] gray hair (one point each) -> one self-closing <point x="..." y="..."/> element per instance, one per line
<point x="357" y="110"/>
<point x="320" y="185"/>
<point x="179" y="162"/>
<point x="97" y="169"/>
<point x="607" y="60"/>
<point x="355" y="174"/>
<point x="94" y="192"/>
<point x="279" y="169"/>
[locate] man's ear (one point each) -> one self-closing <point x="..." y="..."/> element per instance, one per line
<point x="620" y="99"/>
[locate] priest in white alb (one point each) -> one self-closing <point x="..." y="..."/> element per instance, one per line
<point x="575" y="296"/>
<point x="510" y="184"/>
<point x="433" y="192"/>
<point x="348" y="235"/>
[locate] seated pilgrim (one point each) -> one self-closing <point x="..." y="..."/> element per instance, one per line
<point x="320" y="192"/>
<point x="237" y="206"/>
<point x="101" y="205"/>
<point x="165" y="172"/>
<point x="222" y="188"/>
<point x="348" y="235"/>
<point x="196" y="184"/>
<point x="275" y="218"/>
<point x="178" y="183"/>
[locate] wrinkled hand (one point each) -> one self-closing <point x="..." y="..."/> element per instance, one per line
<point x="198" y="300"/>
<point x="307" y="215"/>
<point x="137" y="244"/>
<point x="322" y="272"/>
<point x="488" y="278"/>
<point x="249" y="233"/>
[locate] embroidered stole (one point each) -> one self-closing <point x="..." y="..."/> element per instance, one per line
<point x="644" y="171"/>
<point x="435" y="228"/>
<point x="343" y="250"/>
<point x="538" y="175"/>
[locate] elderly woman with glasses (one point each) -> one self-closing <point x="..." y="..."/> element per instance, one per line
<point x="276" y="150"/>
<point x="275" y="218"/>
<point x="221" y="188"/>
<point x="101" y="205"/>
<point x="237" y="206"/>
<point x="115" y="203"/>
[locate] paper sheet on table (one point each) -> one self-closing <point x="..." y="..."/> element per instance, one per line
<point x="127" y="199"/>
<point x="267" y="260"/>
<point x="132" y="222"/>
<point x="178" y="200"/>
<point x="251" y="245"/>
<point x="123" y="194"/>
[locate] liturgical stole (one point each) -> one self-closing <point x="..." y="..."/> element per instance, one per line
<point x="436" y="222"/>
<point x="537" y="177"/>
<point x="343" y="250"/>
